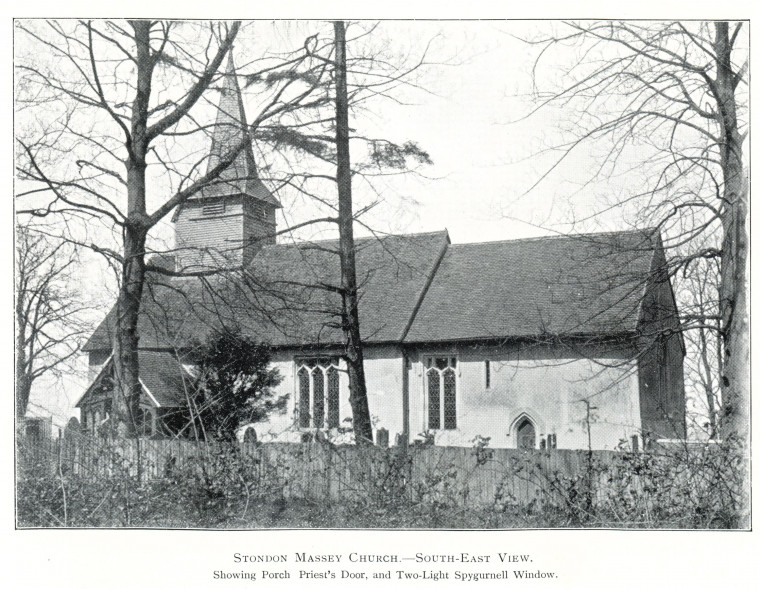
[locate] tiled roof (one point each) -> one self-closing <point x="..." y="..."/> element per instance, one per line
<point x="286" y="297"/>
<point x="412" y="288"/>
<point x="161" y="375"/>
<point x="585" y="284"/>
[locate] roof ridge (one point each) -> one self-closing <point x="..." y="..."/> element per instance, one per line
<point x="579" y="236"/>
<point x="366" y="238"/>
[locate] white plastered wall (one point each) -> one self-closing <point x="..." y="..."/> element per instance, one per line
<point x="548" y="390"/>
<point x="383" y="368"/>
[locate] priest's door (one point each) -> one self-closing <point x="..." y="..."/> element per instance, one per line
<point x="526" y="435"/>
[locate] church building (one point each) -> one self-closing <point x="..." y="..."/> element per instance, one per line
<point x="550" y="342"/>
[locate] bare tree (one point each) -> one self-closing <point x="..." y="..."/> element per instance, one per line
<point x="308" y="153"/>
<point x="389" y="152"/>
<point x="125" y="97"/>
<point x="119" y="147"/>
<point x="354" y="351"/>
<point x="698" y="288"/>
<point x="50" y="322"/>
<point x="325" y="138"/>
<point x="667" y="102"/>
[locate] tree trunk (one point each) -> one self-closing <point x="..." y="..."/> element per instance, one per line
<point x="23" y="392"/>
<point x="350" y="311"/>
<point x="23" y="382"/>
<point x="733" y="288"/>
<point x="708" y="383"/>
<point x="126" y="394"/>
<point x="127" y="389"/>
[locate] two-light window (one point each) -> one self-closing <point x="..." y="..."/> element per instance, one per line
<point x="441" y="383"/>
<point x="318" y="393"/>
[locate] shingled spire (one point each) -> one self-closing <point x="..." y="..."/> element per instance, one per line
<point x="235" y="215"/>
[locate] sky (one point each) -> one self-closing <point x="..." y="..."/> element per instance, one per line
<point x="468" y="110"/>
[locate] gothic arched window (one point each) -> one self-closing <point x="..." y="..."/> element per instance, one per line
<point x="441" y="382"/>
<point x="318" y="392"/>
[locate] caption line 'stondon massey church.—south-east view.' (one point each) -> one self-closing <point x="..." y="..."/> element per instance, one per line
<point x="512" y="340"/>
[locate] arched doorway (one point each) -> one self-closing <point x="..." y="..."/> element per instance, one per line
<point x="526" y="434"/>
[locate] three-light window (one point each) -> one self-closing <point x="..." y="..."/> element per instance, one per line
<point x="318" y="393"/>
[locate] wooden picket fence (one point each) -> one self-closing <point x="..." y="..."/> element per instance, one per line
<point x="321" y="471"/>
<point x="81" y="479"/>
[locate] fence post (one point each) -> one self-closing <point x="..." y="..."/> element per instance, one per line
<point x="63" y="482"/>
